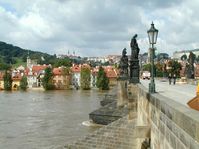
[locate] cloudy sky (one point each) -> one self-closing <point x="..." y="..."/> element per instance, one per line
<point x="98" y="27"/>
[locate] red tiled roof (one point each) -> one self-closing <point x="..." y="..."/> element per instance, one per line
<point x="1" y="76"/>
<point x="57" y="71"/>
<point x="110" y="72"/>
<point x="76" y="68"/>
<point x="16" y="77"/>
<point x="95" y="71"/>
<point x="35" y="69"/>
<point x="38" y="68"/>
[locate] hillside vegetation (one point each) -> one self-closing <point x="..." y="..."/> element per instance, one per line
<point x="11" y="55"/>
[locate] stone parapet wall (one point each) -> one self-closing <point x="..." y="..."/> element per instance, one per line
<point x="173" y="126"/>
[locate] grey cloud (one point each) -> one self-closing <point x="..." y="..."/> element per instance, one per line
<point x="92" y="27"/>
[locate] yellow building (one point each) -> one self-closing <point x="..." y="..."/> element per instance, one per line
<point x="16" y="82"/>
<point x="1" y="82"/>
<point x="61" y="80"/>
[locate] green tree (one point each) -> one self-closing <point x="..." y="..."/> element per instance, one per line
<point x="183" y="57"/>
<point x="159" y="68"/>
<point x="23" y="83"/>
<point x="146" y="67"/>
<point x="4" y="66"/>
<point x="7" y="78"/>
<point x="85" y="78"/>
<point x="102" y="80"/>
<point x="66" y="73"/>
<point x="63" y="62"/>
<point x="47" y="80"/>
<point x="175" y="67"/>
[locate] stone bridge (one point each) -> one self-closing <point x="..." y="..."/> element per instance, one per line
<point x="154" y="121"/>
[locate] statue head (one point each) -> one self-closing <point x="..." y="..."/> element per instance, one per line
<point x="124" y="52"/>
<point x="135" y="36"/>
<point x="133" y="40"/>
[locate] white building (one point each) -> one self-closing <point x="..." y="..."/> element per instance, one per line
<point x="34" y="73"/>
<point x="76" y="75"/>
<point x="178" y="54"/>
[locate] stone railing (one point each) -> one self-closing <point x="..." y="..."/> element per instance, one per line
<point x="173" y="126"/>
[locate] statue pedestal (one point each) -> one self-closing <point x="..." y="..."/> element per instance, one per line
<point x="132" y="100"/>
<point x="134" y="71"/>
<point x="122" y="93"/>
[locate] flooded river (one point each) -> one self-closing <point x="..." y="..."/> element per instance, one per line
<point x="45" y="120"/>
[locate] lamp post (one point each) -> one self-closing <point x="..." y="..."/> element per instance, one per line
<point x="152" y="34"/>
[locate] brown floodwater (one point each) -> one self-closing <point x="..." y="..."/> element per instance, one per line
<point x="45" y="119"/>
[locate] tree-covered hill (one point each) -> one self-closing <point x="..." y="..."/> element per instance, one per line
<point x="10" y="54"/>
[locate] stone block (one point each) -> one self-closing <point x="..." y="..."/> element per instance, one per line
<point x="162" y="117"/>
<point x="169" y="123"/>
<point x="162" y="128"/>
<point x="142" y="131"/>
<point x="184" y="138"/>
<point x="175" y="130"/>
<point x="167" y="134"/>
<point x="180" y="145"/>
<point x="152" y="99"/>
<point x="173" y="141"/>
<point x="194" y="144"/>
<point x="166" y="145"/>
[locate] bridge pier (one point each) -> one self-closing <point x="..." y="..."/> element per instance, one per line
<point x="132" y="101"/>
<point x="122" y="93"/>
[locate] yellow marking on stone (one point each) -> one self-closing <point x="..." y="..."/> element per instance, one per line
<point x="197" y="92"/>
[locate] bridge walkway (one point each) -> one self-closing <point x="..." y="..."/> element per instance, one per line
<point x="181" y="93"/>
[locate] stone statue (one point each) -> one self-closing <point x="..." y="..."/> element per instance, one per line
<point x="134" y="48"/>
<point x="124" y="64"/>
<point x="190" y="66"/>
<point x="191" y="58"/>
<point x="134" y="61"/>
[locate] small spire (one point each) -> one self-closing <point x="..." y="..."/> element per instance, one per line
<point x="28" y="54"/>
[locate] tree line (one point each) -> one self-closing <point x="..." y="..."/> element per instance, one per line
<point x="85" y="81"/>
<point x="47" y="81"/>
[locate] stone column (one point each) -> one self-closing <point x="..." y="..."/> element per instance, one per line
<point x="132" y="100"/>
<point x="122" y="93"/>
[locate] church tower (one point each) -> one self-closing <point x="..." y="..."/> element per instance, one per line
<point x="28" y="61"/>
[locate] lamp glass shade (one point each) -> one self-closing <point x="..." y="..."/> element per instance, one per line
<point x="152" y="34"/>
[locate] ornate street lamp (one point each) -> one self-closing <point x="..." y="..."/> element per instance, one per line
<point x="152" y="34"/>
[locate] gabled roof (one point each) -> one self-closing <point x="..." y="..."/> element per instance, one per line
<point x="111" y="73"/>
<point x="37" y="68"/>
<point x="57" y="71"/>
<point x="76" y="68"/>
<point x="17" y="77"/>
